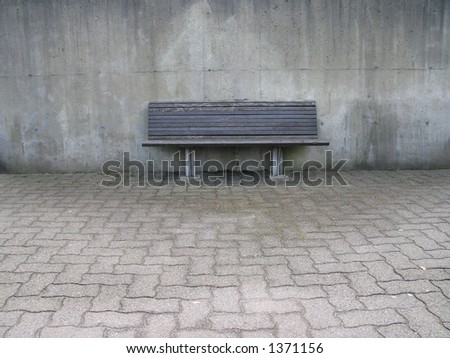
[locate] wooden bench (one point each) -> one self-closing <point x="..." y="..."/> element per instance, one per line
<point x="191" y="124"/>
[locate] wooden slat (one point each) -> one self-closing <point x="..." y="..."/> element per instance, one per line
<point x="237" y="140"/>
<point x="233" y="132"/>
<point x="224" y="112"/>
<point x="230" y="104"/>
<point x="227" y="116"/>
<point x="229" y="128"/>
<point x="224" y="126"/>
<point x="192" y="123"/>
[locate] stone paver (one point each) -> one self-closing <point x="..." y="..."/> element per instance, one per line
<point x="371" y="259"/>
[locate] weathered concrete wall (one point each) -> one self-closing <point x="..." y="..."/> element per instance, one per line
<point x="76" y="76"/>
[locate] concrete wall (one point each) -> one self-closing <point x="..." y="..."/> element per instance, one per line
<point x="76" y="76"/>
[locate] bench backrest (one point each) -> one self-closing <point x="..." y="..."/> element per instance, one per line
<point x="220" y="119"/>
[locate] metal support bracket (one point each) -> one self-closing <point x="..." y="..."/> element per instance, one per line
<point x="189" y="157"/>
<point x="276" y="169"/>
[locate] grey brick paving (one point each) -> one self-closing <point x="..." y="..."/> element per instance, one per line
<point x="397" y="330"/>
<point x="368" y="260"/>
<point x="194" y="314"/>
<point x="291" y="325"/>
<point x="29" y="325"/>
<point x="72" y="332"/>
<point x="344" y="332"/>
<point x="423" y="322"/>
<point x="113" y="319"/>
<point x="384" y="301"/>
<point x="226" y="299"/>
<point x="159" y="326"/>
<point x="371" y="317"/>
<point x="343" y="298"/>
<point x="254" y="321"/>
<point x="320" y="313"/>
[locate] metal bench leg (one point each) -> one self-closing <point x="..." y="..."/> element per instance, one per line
<point x="276" y="169"/>
<point x="189" y="157"/>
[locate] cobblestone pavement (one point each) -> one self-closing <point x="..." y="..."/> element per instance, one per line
<point x="368" y="260"/>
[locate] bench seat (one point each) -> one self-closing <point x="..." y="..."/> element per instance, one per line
<point x="242" y="123"/>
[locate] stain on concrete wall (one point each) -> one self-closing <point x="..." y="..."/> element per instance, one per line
<point x="76" y="77"/>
